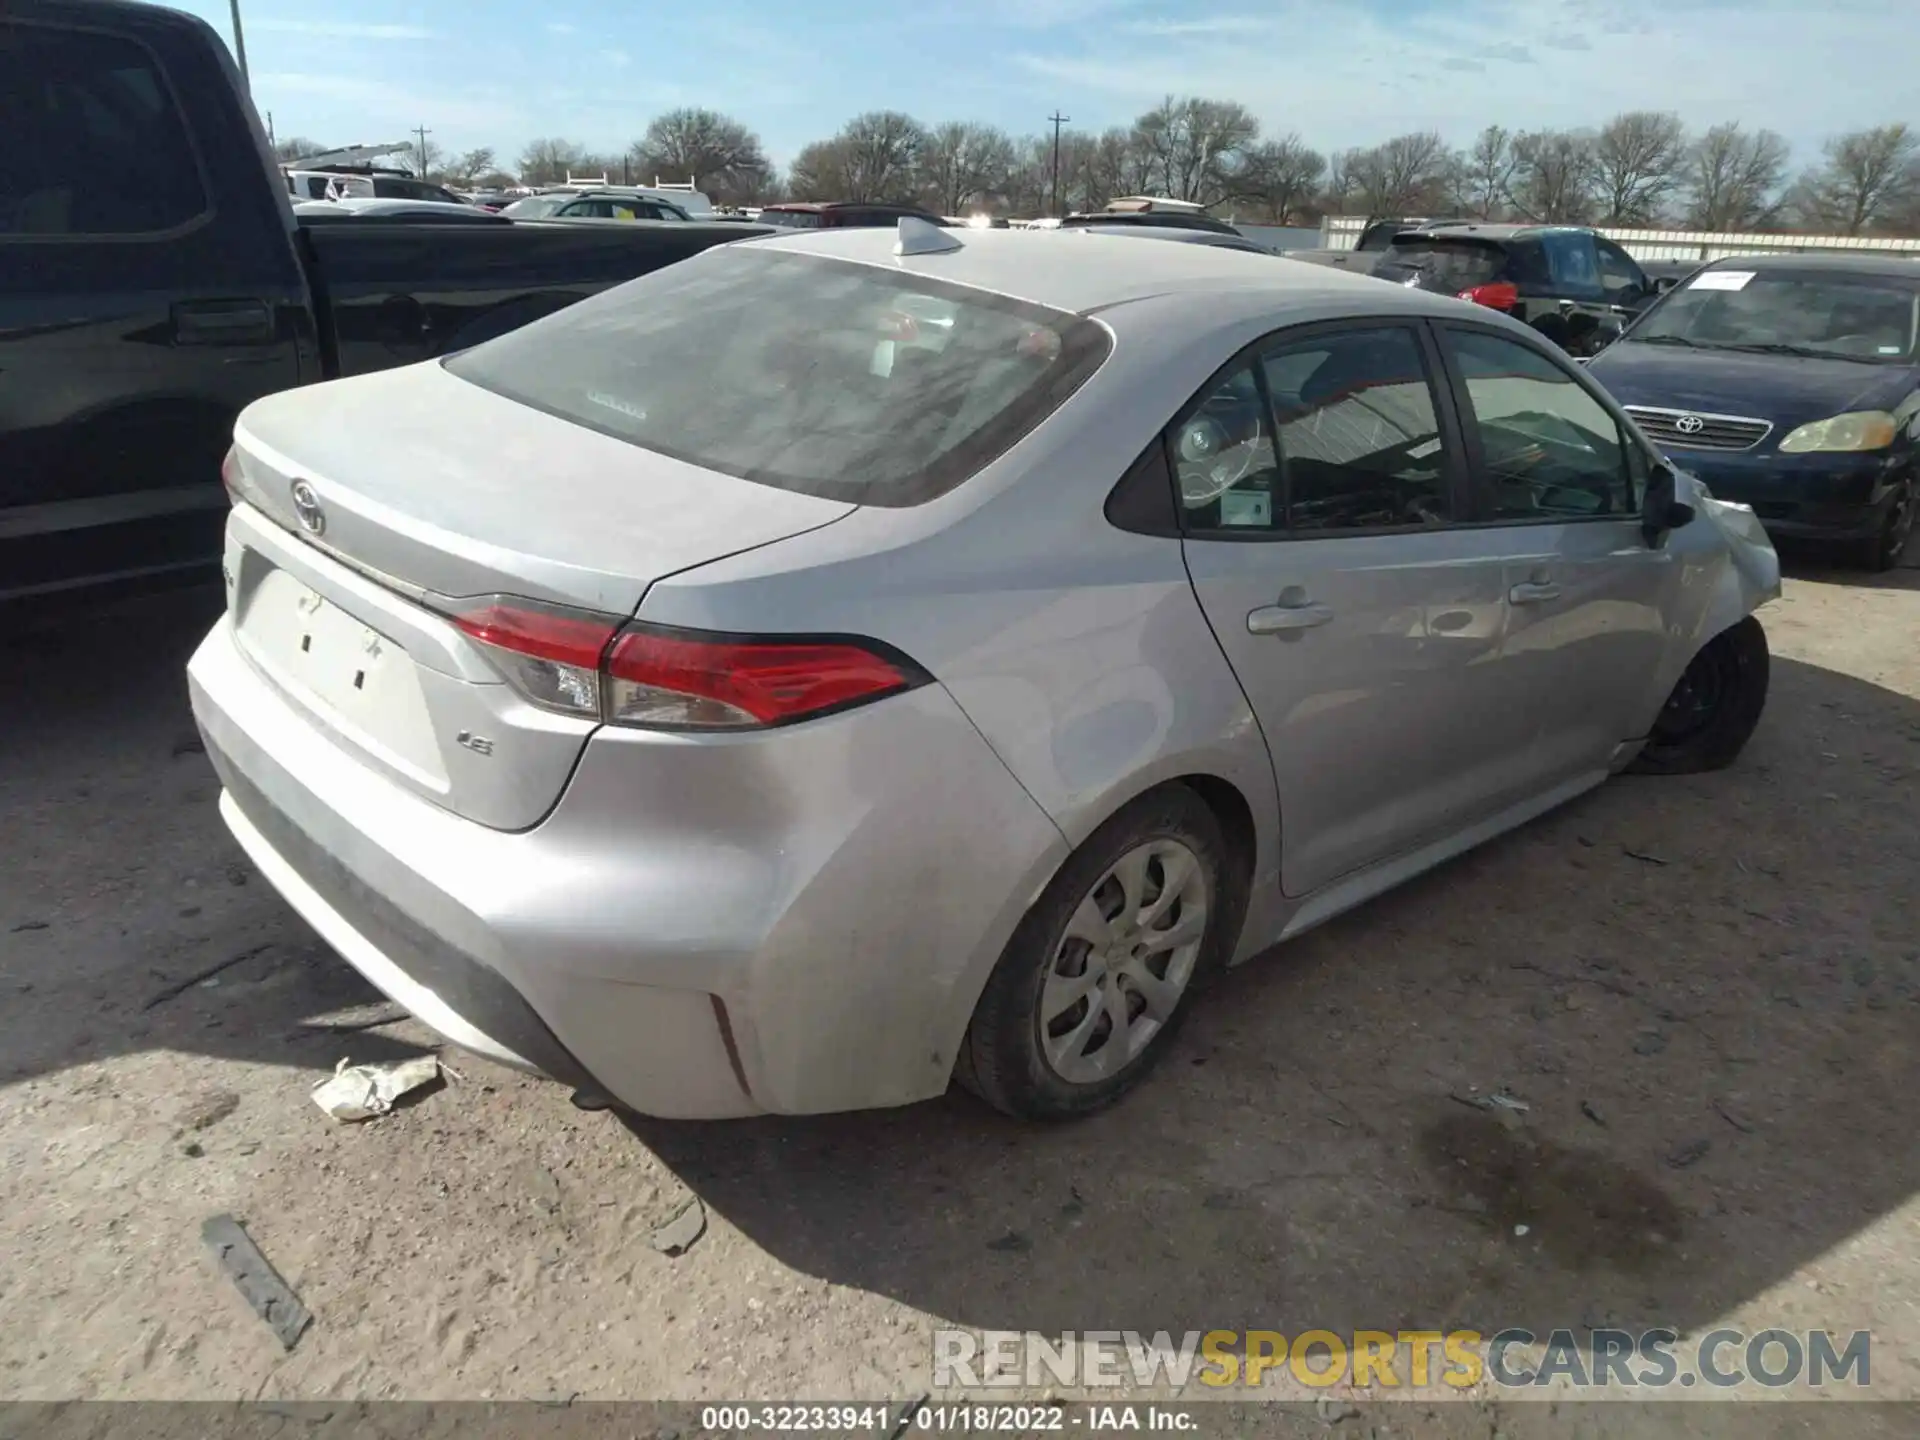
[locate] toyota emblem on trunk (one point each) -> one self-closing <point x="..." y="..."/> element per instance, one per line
<point x="1689" y="424"/>
<point x="306" y="509"/>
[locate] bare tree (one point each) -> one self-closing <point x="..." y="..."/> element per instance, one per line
<point x="1733" y="178"/>
<point x="1281" y="175"/>
<point x="468" y="166"/>
<point x="819" y="172"/>
<point x="550" y="160"/>
<point x="712" y="151"/>
<point x="1868" y="176"/>
<point x="1193" y="145"/>
<point x="961" y="162"/>
<point x="1638" y="159"/>
<point x="880" y="152"/>
<point x="1553" y="177"/>
<point x="425" y="155"/>
<point x="297" y="147"/>
<point x="1343" y="182"/>
<point x="1483" y="173"/>
<point x="1404" y="174"/>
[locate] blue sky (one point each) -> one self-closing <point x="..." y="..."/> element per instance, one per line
<point x="1339" y="72"/>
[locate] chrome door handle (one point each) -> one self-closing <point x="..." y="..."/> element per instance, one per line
<point x="1276" y="619"/>
<point x="1533" y="592"/>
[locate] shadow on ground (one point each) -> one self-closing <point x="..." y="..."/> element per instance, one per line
<point x="1703" y="990"/>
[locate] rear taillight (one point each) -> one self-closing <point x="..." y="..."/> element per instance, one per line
<point x="230" y="475"/>
<point x="551" y="656"/>
<point x="687" y="680"/>
<point x="1500" y="295"/>
<point x="651" y="677"/>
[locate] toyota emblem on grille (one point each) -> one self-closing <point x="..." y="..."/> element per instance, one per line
<point x="1689" y="424"/>
<point x="306" y="509"/>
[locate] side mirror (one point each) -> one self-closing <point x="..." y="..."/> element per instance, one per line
<point x="1664" y="284"/>
<point x="1660" y="510"/>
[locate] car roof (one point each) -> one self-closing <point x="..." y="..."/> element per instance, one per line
<point x="1084" y="278"/>
<point x="1902" y="267"/>
<point x="1184" y="234"/>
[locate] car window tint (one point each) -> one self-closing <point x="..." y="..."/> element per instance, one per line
<point x="1224" y="464"/>
<point x="1548" y="448"/>
<point x="1571" y="261"/>
<point x="91" y="141"/>
<point x="1359" y="438"/>
<point x="853" y="382"/>
<point x="1619" y="276"/>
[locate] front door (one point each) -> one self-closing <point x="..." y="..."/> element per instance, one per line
<point x="1322" y="488"/>
<point x="1558" y="486"/>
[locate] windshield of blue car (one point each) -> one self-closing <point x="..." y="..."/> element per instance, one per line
<point x="1808" y="312"/>
<point x="851" y="382"/>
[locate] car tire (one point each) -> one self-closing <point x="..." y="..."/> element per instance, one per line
<point x="1039" y="1044"/>
<point x="1888" y="547"/>
<point x="1714" y="707"/>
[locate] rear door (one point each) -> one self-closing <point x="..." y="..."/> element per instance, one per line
<point x="1558" y="480"/>
<point x="149" y="289"/>
<point x="1322" y="491"/>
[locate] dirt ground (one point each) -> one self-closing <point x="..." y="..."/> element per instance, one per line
<point x="1707" y="990"/>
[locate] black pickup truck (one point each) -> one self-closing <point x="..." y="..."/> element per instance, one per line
<point x="154" y="280"/>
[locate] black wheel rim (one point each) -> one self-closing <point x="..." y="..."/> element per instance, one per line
<point x="1696" y="701"/>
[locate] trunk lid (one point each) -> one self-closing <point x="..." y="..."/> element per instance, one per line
<point x="428" y="488"/>
<point x="437" y="483"/>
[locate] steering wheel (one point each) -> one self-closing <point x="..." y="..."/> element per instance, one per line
<point x="1211" y="462"/>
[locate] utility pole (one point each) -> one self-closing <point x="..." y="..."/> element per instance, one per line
<point x="1057" y="120"/>
<point x="240" y="48"/>
<point x="422" y="132"/>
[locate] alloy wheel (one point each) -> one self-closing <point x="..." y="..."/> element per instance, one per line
<point x="1124" y="961"/>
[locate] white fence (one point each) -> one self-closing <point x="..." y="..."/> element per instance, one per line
<point x="1342" y="232"/>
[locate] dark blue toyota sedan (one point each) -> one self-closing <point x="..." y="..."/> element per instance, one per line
<point x="1790" y="383"/>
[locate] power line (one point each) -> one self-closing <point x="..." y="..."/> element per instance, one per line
<point x="1057" y="120"/>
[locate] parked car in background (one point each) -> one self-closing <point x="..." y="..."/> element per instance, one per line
<point x="614" y="203"/>
<point x="1159" y="214"/>
<point x="1228" y="240"/>
<point x="365" y="184"/>
<point x="1374" y="240"/>
<point x="1790" y="383"/>
<point x="422" y="212"/>
<point x="913" y="644"/>
<point x="1570" y="283"/>
<point x="840" y="215"/>
<point x="154" y="280"/>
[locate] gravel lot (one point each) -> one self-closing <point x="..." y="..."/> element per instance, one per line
<point x="1706" y="989"/>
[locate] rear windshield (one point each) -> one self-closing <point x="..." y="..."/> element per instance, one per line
<point x="1448" y="265"/>
<point x="801" y="372"/>
<point x="792" y="219"/>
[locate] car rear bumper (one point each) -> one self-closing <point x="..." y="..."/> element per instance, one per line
<point x="790" y="922"/>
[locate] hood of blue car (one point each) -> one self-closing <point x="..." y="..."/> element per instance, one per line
<point x="1789" y="390"/>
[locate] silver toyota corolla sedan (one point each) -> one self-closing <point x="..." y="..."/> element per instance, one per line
<point x="836" y="665"/>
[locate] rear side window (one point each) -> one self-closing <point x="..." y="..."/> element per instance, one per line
<point x="91" y="139"/>
<point x="802" y="372"/>
<point x="1571" y="261"/>
<point x="1447" y="266"/>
